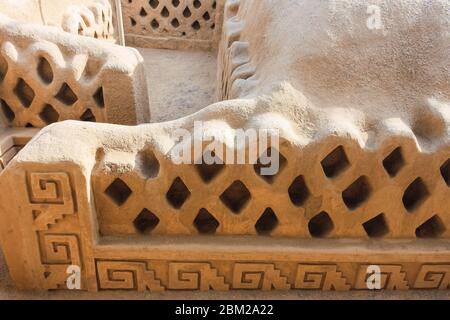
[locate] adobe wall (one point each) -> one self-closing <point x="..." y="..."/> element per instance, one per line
<point x="364" y="173"/>
<point x="173" y="24"/>
<point x="48" y="76"/>
<point x="93" y="18"/>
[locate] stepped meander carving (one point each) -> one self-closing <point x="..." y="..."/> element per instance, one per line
<point x="362" y="148"/>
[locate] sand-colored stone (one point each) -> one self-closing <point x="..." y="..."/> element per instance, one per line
<point x="93" y="18"/>
<point x="12" y="140"/>
<point x="48" y="76"/>
<point x="173" y="24"/>
<point x="364" y="122"/>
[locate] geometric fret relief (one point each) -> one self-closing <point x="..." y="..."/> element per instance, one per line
<point x="260" y="276"/>
<point x="392" y="277"/>
<point x="320" y="277"/>
<point x="433" y="277"/>
<point x="57" y="253"/>
<point x="51" y="198"/>
<point x="124" y="275"/>
<point x="155" y="276"/>
<point x="195" y="276"/>
<point x="60" y="249"/>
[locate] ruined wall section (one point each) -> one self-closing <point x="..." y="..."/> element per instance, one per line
<point x="47" y="75"/>
<point x="173" y="24"/>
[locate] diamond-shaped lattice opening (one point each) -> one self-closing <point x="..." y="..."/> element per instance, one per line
<point x="133" y="22"/>
<point x="154" y="3"/>
<point x="415" y="195"/>
<point x="187" y="12"/>
<point x="88" y="116"/>
<point x="175" y="23"/>
<point x="205" y="222"/>
<point x="320" y="225"/>
<point x="209" y="171"/>
<point x="197" y="4"/>
<point x="178" y="193"/>
<point x="29" y="125"/>
<point x="196" y="25"/>
<point x="175" y="3"/>
<point x="432" y="228"/>
<point x="45" y="71"/>
<point x="206" y="16"/>
<point x="147" y="163"/>
<point x="98" y="97"/>
<point x="335" y="163"/>
<point x="376" y="227"/>
<point x="49" y="114"/>
<point x="260" y="166"/>
<point x="118" y="191"/>
<point x="235" y="196"/>
<point x="445" y="172"/>
<point x="24" y="92"/>
<point x="154" y="24"/>
<point x="267" y="222"/>
<point x="358" y="192"/>
<point x="66" y="95"/>
<point x="143" y="13"/>
<point x="394" y="162"/>
<point x="7" y="111"/>
<point x="298" y="191"/>
<point x="146" y="221"/>
<point x="165" y="12"/>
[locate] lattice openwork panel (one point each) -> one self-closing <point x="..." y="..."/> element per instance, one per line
<point x="41" y="86"/>
<point x="186" y="20"/>
<point x="95" y="20"/>
<point x="47" y="75"/>
<point x="334" y="189"/>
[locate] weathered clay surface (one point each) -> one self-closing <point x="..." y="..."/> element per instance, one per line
<point x="48" y="76"/>
<point x="173" y="24"/>
<point x="12" y="140"/>
<point x="364" y="180"/>
<point x="93" y="18"/>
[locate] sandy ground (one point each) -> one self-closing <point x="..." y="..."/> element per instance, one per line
<point x="8" y="291"/>
<point x="179" y="82"/>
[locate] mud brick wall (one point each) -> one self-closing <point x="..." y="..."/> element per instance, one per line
<point x="47" y="76"/>
<point x="132" y="219"/>
<point x="173" y="24"/>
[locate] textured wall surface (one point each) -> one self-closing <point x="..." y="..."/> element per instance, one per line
<point x="48" y="76"/>
<point x="93" y="18"/>
<point x="364" y="122"/>
<point x="173" y="24"/>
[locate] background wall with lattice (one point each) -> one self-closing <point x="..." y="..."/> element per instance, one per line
<point x="173" y="24"/>
<point x="47" y="76"/>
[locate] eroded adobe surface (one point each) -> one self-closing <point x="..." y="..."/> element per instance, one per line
<point x="173" y="24"/>
<point x="364" y="176"/>
<point x="93" y="18"/>
<point x="49" y="76"/>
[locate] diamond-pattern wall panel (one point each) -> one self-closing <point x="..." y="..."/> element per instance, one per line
<point x="333" y="189"/>
<point x="47" y="76"/>
<point x="172" y="23"/>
